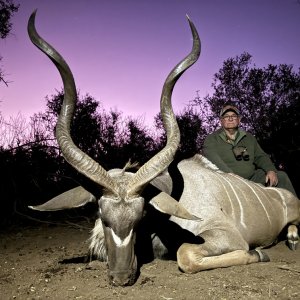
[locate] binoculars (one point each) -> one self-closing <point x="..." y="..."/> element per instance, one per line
<point x="240" y="152"/>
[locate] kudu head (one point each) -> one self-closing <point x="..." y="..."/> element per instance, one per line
<point x="121" y="205"/>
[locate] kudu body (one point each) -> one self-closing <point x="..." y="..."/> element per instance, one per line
<point x="231" y="215"/>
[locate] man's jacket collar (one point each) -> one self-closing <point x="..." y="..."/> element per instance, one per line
<point x="240" y="134"/>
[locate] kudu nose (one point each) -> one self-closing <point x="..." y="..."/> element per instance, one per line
<point x="121" y="278"/>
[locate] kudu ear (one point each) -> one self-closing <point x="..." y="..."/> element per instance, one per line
<point x="168" y="205"/>
<point x="73" y="198"/>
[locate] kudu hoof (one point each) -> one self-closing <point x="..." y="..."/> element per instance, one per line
<point x="293" y="244"/>
<point x="262" y="256"/>
<point x="292" y="237"/>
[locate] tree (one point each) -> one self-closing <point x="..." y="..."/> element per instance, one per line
<point x="262" y="94"/>
<point x="105" y="136"/>
<point x="7" y="10"/>
<point x="27" y="167"/>
<point x="139" y="145"/>
<point x="192" y="132"/>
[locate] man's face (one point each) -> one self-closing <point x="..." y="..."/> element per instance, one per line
<point x="230" y="120"/>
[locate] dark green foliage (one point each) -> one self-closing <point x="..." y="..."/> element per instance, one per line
<point x="27" y="176"/>
<point x="262" y="94"/>
<point x="139" y="145"/>
<point x="192" y="132"/>
<point x="7" y="9"/>
<point x="105" y="136"/>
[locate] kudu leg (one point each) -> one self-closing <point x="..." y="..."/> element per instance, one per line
<point x="193" y="258"/>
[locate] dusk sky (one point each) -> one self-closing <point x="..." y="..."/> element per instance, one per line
<point x="120" y="51"/>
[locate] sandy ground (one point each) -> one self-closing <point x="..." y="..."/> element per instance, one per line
<point x="31" y="268"/>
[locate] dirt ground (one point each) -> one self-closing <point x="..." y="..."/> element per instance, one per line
<point x="31" y="268"/>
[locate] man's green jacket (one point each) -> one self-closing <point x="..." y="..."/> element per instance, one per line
<point x="219" y="150"/>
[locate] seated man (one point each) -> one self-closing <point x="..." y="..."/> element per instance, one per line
<point x="233" y="150"/>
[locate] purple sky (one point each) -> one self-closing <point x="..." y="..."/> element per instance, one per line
<point x="120" y="51"/>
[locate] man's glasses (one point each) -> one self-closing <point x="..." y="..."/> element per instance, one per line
<point x="234" y="117"/>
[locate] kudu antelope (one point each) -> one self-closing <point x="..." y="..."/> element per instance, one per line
<point x="230" y="214"/>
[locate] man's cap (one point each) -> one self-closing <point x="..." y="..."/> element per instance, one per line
<point x="228" y="108"/>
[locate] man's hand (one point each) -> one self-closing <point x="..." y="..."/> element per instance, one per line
<point x="271" y="178"/>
